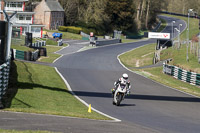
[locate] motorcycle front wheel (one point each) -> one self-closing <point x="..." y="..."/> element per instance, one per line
<point x="118" y="98"/>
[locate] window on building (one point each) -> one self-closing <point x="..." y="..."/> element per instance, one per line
<point x="35" y="29"/>
<point x="21" y="17"/>
<point x="7" y="4"/>
<point x="28" y="17"/>
<point x="13" y="4"/>
<point x="20" y="4"/>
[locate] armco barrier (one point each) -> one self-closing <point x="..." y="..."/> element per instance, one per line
<point x="107" y="42"/>
<point x="4" y="77"/>
<point x="183" y="75"/>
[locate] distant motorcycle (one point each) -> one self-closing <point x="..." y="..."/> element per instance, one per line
<point x="119" y="94"/>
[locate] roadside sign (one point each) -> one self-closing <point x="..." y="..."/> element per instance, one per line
<point x="158" y="35"/>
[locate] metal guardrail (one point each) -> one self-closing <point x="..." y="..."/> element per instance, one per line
<point x="181" y="74"/>
<point x="4" y="77"/>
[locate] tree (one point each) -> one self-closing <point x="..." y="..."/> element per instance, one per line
<point x="121" y="13"/>
<point x="71" y="11"/>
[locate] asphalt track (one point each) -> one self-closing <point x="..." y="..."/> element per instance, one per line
<point x="152" y="107"/>
<point x="91" y="75"/>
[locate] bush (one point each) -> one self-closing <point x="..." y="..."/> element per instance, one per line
<point x="87" y="31"/>
<point x="62" y="28"/>
<point x="71" y="29"/>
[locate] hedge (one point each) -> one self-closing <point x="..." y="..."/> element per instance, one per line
<point x="71" y="29"/>
<point x="62" y="28"/>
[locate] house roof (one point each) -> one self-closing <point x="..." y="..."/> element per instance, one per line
<point x="54" y="5"/>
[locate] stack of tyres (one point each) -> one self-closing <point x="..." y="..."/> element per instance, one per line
<point x="43" y="51"/>
<point x="27" y="55"/>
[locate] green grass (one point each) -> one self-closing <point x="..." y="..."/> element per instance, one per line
<point x="162" y="26"/>
<point x="139" y="57"/>
<point x="66" y="35"/>
<point x="193" y="27"/>
<point x="179" y="59"/>
<point x="22" y="48"/>
<point x="51" y="42"/>
<point x="27" y="131"/>
<point x="41" y="90"/>
<point x="51" y="56"/>
<point x="157" y="75"/>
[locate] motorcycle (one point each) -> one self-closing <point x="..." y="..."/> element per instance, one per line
<point x="119" y="94"/>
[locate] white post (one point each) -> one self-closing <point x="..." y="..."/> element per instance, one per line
<point x="173" y="29"/>
<point x="8" y="18"/>
<point x="190" y="10"/>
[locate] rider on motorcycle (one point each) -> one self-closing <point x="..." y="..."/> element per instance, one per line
<point x="124" y="81"/>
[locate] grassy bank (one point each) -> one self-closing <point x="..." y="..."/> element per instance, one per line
<point x="139" y="57"/>
<point x="51" y="55"/>
<point x="155" y="73"/>
<point x="66" y="35"/>
<point x="41" y="90"/>
<point x="131" y="58"/>
<point x="36" y="88"/>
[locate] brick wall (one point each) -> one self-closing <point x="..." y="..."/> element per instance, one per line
<point x="1" y="9"/>
<point x="47" y="18"/>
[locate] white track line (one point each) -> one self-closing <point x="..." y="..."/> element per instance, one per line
<point x="86" y="104"/>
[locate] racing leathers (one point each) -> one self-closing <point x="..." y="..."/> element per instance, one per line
<point x="123" y="82"/>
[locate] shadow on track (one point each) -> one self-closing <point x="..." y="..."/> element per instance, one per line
<point x="108" y="95"/>
<point x="139" y="97"/>
<point x="123" y="105"/>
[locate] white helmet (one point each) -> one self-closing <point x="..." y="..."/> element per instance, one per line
<point x="125" y="76"/>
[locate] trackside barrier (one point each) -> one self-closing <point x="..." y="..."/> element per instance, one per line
<point x="28" y="55"/>
<point x="107" y="42"/>
<point x="4" y="77"/>
<point x="38" y="44"/>
<point x="183" y="75"/>
<point x="85" y="36"/>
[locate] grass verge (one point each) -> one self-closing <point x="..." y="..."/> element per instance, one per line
<point x="51" y="55"/>
<point x="157" y="74"/>
<point x="129" y="59"/>
<point x="139" y="57"/>
<point x="66" y="35"/>
<point x="41" y="90"/>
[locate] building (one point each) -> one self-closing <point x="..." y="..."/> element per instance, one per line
<point x="24" y="20"/>
<point x="49" y="13"/>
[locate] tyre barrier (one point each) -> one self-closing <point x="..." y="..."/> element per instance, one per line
<point x="4" y="77"/>
<point x="181" y="74"/>
<point x="42" y="51"/>
<point x="38" y="44"/>
<point x="26" y="55"/>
